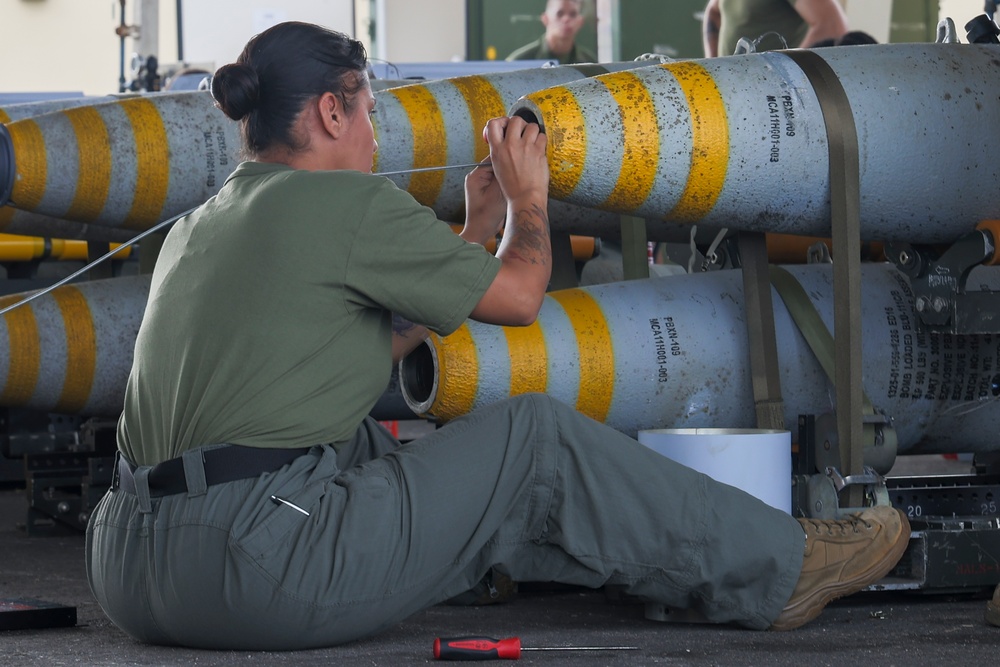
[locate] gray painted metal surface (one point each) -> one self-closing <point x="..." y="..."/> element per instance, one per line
<point x="12" y="112"/>
<point x="71" y="350"/>
<point x="740" y="141"/>
<point x="441" y="123"/>
<point x="126" y="163"/>
<point x="672" y="353"/>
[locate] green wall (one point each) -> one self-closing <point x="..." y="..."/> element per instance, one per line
<point x="655" y="26"/>
<point x="497" y="27"/>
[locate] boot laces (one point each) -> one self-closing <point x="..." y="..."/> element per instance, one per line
<point x="834" y="527"/>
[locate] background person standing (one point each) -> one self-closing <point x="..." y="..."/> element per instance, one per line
<point x="562" y="20"/>
<point x="800" y="22"/>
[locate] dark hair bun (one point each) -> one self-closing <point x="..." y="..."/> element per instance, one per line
<point x="236" y="89"/>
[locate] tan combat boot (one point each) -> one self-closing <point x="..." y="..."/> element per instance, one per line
<point x="993" y="608"/>
<point x="842" y="557"/>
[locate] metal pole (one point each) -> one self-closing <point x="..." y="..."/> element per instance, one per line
<point x="180" y="31"/>
<point x="121" y="49"/>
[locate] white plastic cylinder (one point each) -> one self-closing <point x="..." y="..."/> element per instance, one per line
<point x="758" y="461"/>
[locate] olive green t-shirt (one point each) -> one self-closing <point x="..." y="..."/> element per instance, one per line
<point x="269" y="316"/>
<point x="753" y="18"/>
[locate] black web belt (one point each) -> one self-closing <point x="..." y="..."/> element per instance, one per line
<point x="225" y="464"/>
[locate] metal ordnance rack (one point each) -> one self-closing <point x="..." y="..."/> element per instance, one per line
<point x="955" y="540"/>
<point x="955" y="543"/>
<point x="65" y="464"/>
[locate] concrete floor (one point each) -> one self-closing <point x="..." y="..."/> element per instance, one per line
<point x="898" y="628"/>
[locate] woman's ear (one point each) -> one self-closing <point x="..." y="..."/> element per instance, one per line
<point x="331" y="114"/>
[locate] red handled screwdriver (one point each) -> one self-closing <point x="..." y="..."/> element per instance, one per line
<point x="485" y="648"/>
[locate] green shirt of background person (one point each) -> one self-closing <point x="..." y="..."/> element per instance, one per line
<point x="562" y="20"/>
<point x="799" y="22"/>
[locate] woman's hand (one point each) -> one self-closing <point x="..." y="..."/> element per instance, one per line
<point x="520" y="166"/>
<point x="517" y="151"/>
<point x="485" y="206"/>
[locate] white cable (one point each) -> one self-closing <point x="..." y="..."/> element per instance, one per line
<point x="420" y="169"/>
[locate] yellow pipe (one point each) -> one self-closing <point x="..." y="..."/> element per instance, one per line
<point x="16" y="248"/>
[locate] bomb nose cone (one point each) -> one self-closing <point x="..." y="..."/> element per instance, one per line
<point x="527" y="110"/>
<point x="6" y="165"/>
<point x="417" y="378"/>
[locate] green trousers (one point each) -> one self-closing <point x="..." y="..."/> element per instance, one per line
<point x="527" y="485"/>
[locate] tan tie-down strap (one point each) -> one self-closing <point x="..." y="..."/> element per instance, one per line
<point x="845" y="214"/>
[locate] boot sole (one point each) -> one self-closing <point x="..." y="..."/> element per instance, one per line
<point x="811" y="607"/>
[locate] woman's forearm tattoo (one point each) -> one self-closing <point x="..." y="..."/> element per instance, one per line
<point x="531" y="242"/>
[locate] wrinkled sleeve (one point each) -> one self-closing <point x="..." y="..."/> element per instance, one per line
<point x="407" y="261"/>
